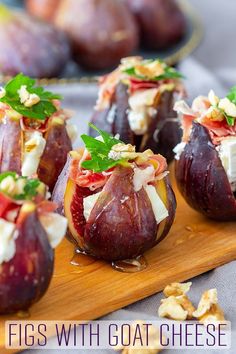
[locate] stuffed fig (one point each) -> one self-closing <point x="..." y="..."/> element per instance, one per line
<point x="35" y="136"/>
<point x="136" y="101"/>
<point x="206" y="157"/>
<point x="118" y="202"/>
<point x="30" y="230"/>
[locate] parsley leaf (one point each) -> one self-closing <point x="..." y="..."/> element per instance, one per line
<point x="6" y="174"/>
<point x="43" y="109"/>
<point x="99" y="151"/>
<point x="230" y="120"/>
<point x="30" y="189"/>
<point x="232" y="95"/>
<point x="169" y="72"/>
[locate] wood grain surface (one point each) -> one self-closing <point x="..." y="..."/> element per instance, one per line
<point x="193" y="246"/>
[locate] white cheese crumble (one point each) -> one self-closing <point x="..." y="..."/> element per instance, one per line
<point x="33" y="150"/>
<point x="26" y="98"/>
<point x="2" y="92"/>
<point x="55" y="226"/>
<point x="111" y="114"/>
<point x="228" y="106"/>
<point x="8" y="235"/>
<point x="143" y="177"/>
<point x="72" y="131"/>
<point x="140" y="103"/>
<point x="159" y="209"/>
<point x="138" y="121"/>
<point x="114" y="155"/>
<point x="179" y="149"/>
<point x="89" y="203"/>
<point x="227" y="153"/>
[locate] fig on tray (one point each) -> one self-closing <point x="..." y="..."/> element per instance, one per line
<point x="118" y="202"/>
<point x="101" y="31"/>
<point x="206" y="158"/>
<point x="30" y="230"/>
<point x="35" y="136"/>
<point x="31" y="46"/>
<point x="162" y="23"/>
<point x="136" y="101"/>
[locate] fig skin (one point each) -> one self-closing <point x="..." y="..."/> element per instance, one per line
<point x="114" y="231"/>
<point x="26" y="277"/>
<point x="30" y="46"/>
<point x="163" y="142"/>
<point x="201" y="178"/>
<point x="121" y="231"/>
<point x="55" y="154"/>
<point x="161" y="22"/>
<point x="101" y="31"/>
<point x="10" y="146"/>
<point x="44" y="9"/>
<point x="60" y="187"/>
<point x="58" y="144"/>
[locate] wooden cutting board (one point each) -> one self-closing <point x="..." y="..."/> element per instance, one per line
<point x="193" y="246"/>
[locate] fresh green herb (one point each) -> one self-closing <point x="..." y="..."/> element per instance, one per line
<point x="232" y="95"/>
<point x="230" y="120"/>
<point x="169" y="72"/>
<point x="99" y="151"/>
<point x="30" y="189"/>
<point x="43" y="109"/>
<point x="6" y="174"/>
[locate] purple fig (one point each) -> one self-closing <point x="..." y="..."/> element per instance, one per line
<point x="117" y="100"/>
<point x="101" y="31"/>
<point x="205" y="159"/>
<point x="110" y="213"/>
<point x="161" y="22"/>
<point x="31" y="46"/>
<point x="26" y="277"/>
<point x="202" y="179"/>
<point x="29" y="232"/>
<point x="32" y="145"/>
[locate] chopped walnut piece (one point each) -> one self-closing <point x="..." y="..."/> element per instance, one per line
<point x="123" y="148"/>
<point x="26" y="98"/>
<point x="128" y="62"/>
<point x="186" y="305"/>
<point x="214" y="315"/>
<point x="213" y="113"/>
<point x="208" y="310"/>
<point x="208" y="299"/>
<point x="171" y="308"/>
<point x="150" y="70"/>
<point x="154" y="345"/>
<point x="177" y="289"/>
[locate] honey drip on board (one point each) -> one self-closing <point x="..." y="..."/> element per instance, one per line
<point x="23" y="314"/>
<point x="81" y="259"/>
<point x="130" y="265"/>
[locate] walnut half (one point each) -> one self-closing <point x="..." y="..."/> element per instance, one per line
<point x="208" y="310"/>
